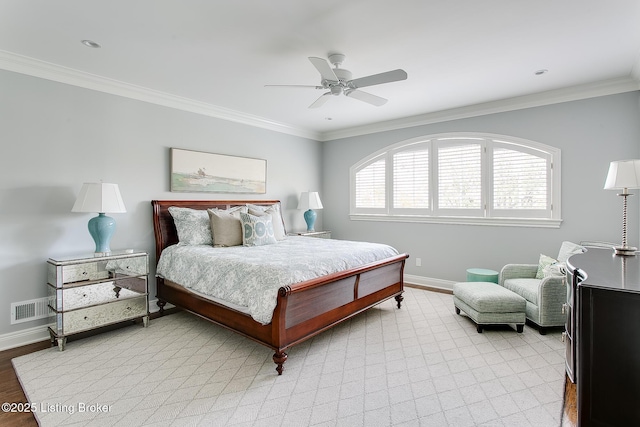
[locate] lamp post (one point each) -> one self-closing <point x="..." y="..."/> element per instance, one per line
<point x="624" y="175"/>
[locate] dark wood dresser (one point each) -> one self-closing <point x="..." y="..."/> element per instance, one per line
<point x="605" y="337"/>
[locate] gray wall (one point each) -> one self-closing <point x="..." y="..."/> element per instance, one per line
<point x="55" y="137"/>
<point x="590" y="133"/>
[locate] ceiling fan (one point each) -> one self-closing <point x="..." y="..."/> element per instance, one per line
<point x="338" y="81"/>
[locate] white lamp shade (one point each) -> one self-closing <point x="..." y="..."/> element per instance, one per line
<point x="309" y="200"/>
<point x="99" y="197"/>
<point x="623" y="174"/>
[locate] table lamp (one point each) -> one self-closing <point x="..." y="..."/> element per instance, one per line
<point x="101" y="198"/>
<point x="310" y="200"/>
<point x="623" y="175"/>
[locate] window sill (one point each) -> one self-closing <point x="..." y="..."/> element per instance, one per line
<point x="460" y="220"/>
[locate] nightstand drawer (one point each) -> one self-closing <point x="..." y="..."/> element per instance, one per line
<point x="99" y="293"/>
<point x="79" y="320"/>
<point x="77" y="273"/>
<point x="134" y="266"/>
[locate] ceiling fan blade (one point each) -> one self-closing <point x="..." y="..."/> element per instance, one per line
<point x="323" y="68"/>
<point x="320" y="101"/>
<point x="366" y="97"/>
<point x="378" y="79"/>
<point x="309" y="86"/>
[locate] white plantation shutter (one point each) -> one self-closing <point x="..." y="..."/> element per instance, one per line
<point x="370" y="186"/>
<point x="460" y="176"/>
<point x="519" y="180"/>
<point x="411" y="179"/>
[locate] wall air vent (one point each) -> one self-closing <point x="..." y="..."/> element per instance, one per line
<point x="26" y="311"/>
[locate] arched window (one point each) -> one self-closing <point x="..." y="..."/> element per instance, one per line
<point x="464" y="178"/>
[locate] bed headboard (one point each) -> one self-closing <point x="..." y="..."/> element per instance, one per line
<point x="164" y="227"/>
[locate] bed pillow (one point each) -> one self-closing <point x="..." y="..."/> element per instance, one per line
<point x="226" y="226"/>
<point x="192" y="225"/>
<point x="257" y="230"/>
<point x="276" y="219"/>
<point x="543" y="265"/>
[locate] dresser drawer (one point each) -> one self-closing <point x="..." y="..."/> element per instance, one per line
<point x="82" y="319"/>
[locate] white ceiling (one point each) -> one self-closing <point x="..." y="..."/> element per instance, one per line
<point x="216" y="57"/>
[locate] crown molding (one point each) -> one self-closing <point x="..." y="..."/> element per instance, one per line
<point x="46" y="70"/>
<point x="574" y="93"/>
<point x="49" y="71"/>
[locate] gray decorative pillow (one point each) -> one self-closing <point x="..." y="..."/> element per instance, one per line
<point x="276" y="218"/>
<point x="257" y="230"/>
<point x="192" y="225"/>
<point x="226" y="226"/>
<point x="543" y="264"/>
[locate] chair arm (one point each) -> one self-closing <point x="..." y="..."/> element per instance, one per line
<point x="552" y="294"/>
<point x="518" y="271"/>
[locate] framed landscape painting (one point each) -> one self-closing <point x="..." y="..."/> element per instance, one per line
<point x="195" y="171"/>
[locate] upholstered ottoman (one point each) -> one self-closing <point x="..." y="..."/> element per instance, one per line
<point x="489" y="304"/>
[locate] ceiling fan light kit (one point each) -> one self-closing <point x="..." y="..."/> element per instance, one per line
<point x="339" y="81"/>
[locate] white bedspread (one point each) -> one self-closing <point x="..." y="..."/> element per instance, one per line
<point x="251" y="276"/>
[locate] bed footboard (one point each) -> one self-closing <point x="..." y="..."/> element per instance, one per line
<point x="308" y="308"/>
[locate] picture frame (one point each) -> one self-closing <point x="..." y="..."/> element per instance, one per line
<point x="201" y="172"/>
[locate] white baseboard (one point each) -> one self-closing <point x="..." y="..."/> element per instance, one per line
<point x="41" y="333"/>
<point x="24" y="337"/>
<point x="428" y="282"/>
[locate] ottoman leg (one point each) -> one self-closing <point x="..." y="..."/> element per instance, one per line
<point x="457" y="310"/>
<point x="520" y="328"/>
<point x="479" y="329"/>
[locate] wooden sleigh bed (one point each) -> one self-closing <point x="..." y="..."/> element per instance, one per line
<point x="303" y="309"/>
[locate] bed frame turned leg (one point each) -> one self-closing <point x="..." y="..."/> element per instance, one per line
<point x="279" y="358"/>
<point x="161" y="305"/>
<point x="399" y="298"/>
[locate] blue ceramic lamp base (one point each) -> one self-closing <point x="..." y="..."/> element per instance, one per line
<point x="310" y="218"/>
<point x="101" y="229"/>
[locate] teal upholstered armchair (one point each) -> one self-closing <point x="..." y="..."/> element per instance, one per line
<point x="542" y="285"/>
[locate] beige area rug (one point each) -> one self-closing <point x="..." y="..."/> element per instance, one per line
<point x="421" y="365"/>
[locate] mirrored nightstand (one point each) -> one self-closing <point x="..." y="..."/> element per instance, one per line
<point x="319" y="234"/>
<point x="90" y="291"/>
